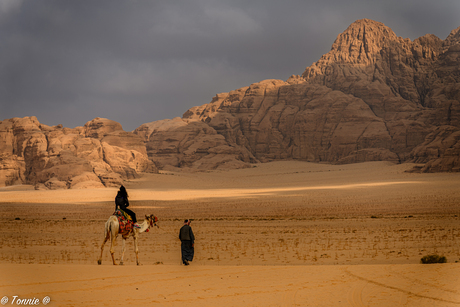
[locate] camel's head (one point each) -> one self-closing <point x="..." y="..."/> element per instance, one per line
<point x="152" y="220"/>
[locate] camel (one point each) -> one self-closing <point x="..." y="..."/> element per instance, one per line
<point x="111" y="231"/>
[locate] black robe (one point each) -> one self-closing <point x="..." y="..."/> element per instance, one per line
<point x="187" y="240"/>
<point x="123" y="203"/>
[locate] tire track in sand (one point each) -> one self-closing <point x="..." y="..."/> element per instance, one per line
<point x="396" y="289"/>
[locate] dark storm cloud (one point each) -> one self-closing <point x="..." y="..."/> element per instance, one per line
<point x="139" y="61"/>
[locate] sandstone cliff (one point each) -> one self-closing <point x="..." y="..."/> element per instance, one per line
<point x="374" y="96"/>
<point x="191" y="145"/>
<point x="100" y="154"/>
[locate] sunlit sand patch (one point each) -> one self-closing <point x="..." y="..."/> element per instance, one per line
<point x="186" y="194"/>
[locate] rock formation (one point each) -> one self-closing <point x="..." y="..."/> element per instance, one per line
<point x="100" y="154"/>
<point x="191" y="145"/>
<point x="373" y="97"/>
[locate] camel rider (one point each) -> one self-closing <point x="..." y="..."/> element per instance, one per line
<point x="121" y="201"/>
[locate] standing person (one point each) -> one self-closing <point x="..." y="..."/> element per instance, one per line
<point x="187" y="242"/>
<point x="121" y="201"/>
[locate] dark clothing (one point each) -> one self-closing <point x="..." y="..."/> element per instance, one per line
<point x="186" y="234"/>
<point x="123" y="203"/>
<point x="188" y="239"/>
<point x="187" y="251"/>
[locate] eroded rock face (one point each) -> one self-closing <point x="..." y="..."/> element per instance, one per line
<point x="278" y="120"/>
<point x="100" y="127"/>
<point x="440" y="152"/>
<point x="192" y="145"/>
<point x="413" y="86"/>
<point x="96" y="155"/>
<point x="374" y="96"/>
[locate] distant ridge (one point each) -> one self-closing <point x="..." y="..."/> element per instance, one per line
<point x="373" y="97"/>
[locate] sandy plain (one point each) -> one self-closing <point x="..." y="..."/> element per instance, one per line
<point x="278" y="234"/>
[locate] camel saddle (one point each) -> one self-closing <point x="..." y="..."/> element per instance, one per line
<point x="124" y="220"/>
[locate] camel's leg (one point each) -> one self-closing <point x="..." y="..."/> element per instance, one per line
<point x="112" y="251"/>
<point x="136" y="250"/>
<point x="110" y="232"/>
<point x="107" y="236"/>
<point x="123" y="250"/>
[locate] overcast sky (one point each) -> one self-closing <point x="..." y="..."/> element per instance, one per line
<point x="69" y="61"/>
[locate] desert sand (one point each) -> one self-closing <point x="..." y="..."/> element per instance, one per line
<point x="277" y="234"/>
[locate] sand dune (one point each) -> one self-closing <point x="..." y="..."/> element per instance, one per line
<point x="278" y="234"/>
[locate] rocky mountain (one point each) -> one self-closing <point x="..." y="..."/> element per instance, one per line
<point x="373" y="97"/>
